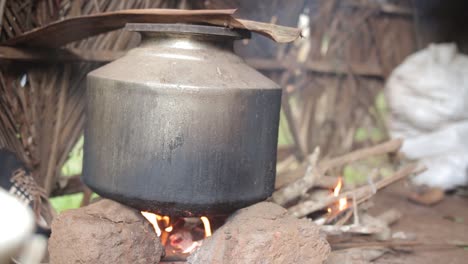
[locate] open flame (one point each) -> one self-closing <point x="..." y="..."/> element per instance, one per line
<point x="206" y="225"/>
<point x="343" y="202"/>
<point x="153" y="219"/>
<point x="180" y="239"/>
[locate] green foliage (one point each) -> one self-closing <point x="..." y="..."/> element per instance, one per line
<point x="373" y="134"/>
<point x="357" y="173"/>
<point x="379" y="111"/>
<point x="74" y="164"/>
<point x="381" y="104"/>
<point x="284" y="136"/>
<point x="66" y="202"/>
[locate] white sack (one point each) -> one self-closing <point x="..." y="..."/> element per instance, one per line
<point x="428" y="99"/>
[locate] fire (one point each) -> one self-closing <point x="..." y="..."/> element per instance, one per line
<point x="343" y="202"/>
<point x="206" y="225"/>
<point x="153" y="219"/>
<point x="179" y="239"/>
<point x="337" y="189"/>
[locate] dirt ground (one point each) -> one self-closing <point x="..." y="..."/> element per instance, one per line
<point x="446" y="221"/>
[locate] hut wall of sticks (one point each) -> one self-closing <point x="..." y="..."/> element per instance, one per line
<point x="332" y="77"/>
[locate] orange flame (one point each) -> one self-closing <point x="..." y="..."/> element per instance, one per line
<point x="343" y="202"/>
<point x="206" y="225"/>
<point x="163" y="228"/>
<point x="337" y="189"/>
<point x="153" y="219"/>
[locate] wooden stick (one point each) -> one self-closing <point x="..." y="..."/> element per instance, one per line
<point x="386" y="147"/>
<point x="398" y="243"/>
<point x="54" y="55"/>
<point x="300" y="187"/>
<point x="352" y="229"/>
<point x="355" y="255"/>
<point x="68" y="185"/>
<point x="362" y="193"/>
<point x="51" y="167"/>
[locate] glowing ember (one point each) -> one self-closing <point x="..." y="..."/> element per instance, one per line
<point x="153" y="219"/>
<point x="182" y="241"/>
<point x="168" y="229"/>
<point x="206" y="225"/>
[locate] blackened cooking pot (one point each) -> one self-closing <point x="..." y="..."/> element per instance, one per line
<point x="181" y="125"/>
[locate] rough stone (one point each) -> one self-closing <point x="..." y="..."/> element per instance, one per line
<point x="104" y="232"/>
<point x="263" y="233"/>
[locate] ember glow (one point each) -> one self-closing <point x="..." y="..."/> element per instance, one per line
<point x="179" y="239"/>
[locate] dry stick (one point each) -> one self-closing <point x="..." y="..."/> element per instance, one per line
<point x="370" y="225"/>
<point x="343" y="219"/>
<point x="386" y="147"/>
<point x="354" y="206"/>
<point x="362" y="193"/>
<point x="51" y="167"/>
<point x="293" y="127"/>
<point x="356" y="255"/>
<point x="398" y="243"/>
<point x="297" y="189"/>
<point x="285" y="164"/>
<point x="353" y="229"/>
<point x="355" y="210"/>
<point x="302" y="185"/>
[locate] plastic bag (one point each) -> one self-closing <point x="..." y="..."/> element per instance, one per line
<point x="428" y="99"/>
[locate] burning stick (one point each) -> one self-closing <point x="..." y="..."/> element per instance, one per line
<point x="362" y="193"/>
<point x="315" y="170"/>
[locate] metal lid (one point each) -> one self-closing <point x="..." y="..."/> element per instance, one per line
<point x="188" y="29"/>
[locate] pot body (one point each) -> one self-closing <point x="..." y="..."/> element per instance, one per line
<point x="181" y="126"/>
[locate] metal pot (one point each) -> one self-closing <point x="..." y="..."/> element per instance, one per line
<point x="181" y="125"/>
